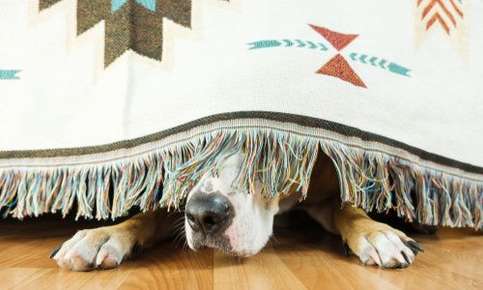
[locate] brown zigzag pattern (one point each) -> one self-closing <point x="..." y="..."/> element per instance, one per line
<point x="132" y="26"/>
<point x="431" y="15"/>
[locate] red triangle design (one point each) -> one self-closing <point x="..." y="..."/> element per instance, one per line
<point x="338" y="40"/>
<point x="338" y="67"/>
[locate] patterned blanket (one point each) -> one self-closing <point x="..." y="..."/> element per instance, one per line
<point x="107" y="105"/>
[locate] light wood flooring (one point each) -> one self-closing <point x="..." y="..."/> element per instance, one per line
<point x="301" y="257"/>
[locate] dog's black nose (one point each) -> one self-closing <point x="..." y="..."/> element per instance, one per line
<point x="209" y="213"/>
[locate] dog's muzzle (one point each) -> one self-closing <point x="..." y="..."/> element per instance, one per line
<point x="209" y="215"/>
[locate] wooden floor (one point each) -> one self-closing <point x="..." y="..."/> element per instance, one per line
<point x="299" y="258"/>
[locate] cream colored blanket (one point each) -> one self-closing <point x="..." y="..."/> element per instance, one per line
<point x="110" y="104"/>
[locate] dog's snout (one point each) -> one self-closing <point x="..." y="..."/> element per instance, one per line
<point x="209" y="213"/>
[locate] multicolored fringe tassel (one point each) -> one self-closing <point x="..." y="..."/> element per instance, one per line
<point x="276" y="160"/>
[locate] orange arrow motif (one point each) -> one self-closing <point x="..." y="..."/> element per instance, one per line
<point x="434" y="10"/>
<point x="338" y="67"/>
<point x="337" y="39"/>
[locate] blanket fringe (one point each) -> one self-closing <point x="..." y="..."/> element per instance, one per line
<point x="275" y="161"/>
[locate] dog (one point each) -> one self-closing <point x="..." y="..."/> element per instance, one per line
<point x="239" y="223"/>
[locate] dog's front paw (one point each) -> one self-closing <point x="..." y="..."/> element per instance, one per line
<point x="379" y="244"/>
<point x="102" y="248"/>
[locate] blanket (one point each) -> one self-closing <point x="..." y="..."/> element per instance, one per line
<point x="107" y="105"/>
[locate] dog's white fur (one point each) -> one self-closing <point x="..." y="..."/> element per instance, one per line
<point x="248" y="233"/>
<point x="252" y="224"/>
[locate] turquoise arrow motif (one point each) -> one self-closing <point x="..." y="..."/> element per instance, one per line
<point x="264" y="44"/>
<point x="397" y="69"/>
<point x="288" y="43"/>
<point x="322" y="46"/>
<point x="148" y="4"/>
<point x="362" y="58"/>
<point x="270" y="43"/>
<point x="9" y="74"/>
<point x="353" y="56"/>
<point x="373" y="60"/>
<point x="381" y="63"/>
<point x="312" y="45"/>
<point x="300" y="43"/>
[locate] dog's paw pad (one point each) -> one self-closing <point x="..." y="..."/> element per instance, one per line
<point x="103" y="248"/>
<point x="386" y="248"/>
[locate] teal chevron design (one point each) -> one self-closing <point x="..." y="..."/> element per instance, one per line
<point x="264" y="44"/>
<point x="9" y="74"/>
<point x="380" y="63"/>
<point x="148" y="4"/>
<point x="312" y="45"/>
<point x="300" y="43"/>
<point x="397" y="69"/>
<point x="297" y="43"/>
<point x="288" y="42"/>
<point x="338" y="66"/>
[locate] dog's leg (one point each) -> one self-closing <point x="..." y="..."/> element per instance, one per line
<point x="106" y="247"/>
<point x="374" y="242"/>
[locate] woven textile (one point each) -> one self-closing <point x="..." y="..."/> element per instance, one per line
<point x="110" y="104"/>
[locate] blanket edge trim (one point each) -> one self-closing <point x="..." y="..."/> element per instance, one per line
<point x="304" y="121"/>
<point x="372" y="176"/>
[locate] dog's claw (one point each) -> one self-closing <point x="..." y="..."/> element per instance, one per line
<point x="347" y="250"/>
<point x="54" y="252"/>
<point x="405" y="258"/>
<point x="414" y="246"/>
<point x="137" y="250"/>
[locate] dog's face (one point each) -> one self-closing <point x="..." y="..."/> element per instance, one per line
<point x="218" y="216"/>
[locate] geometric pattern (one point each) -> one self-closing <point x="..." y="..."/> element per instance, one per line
<point x="148" y="4"/>
<point x="380" y="63"/>
<point x="337" y="39"/>
<point x="308" y="44"/>
<point x="446" y="13"/>
<point x="9" y="74"/>
<point x="129" y="24"/>
<point x="337" y="66"/>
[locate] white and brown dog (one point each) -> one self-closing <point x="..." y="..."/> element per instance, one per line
<point x="240" y="223"/>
